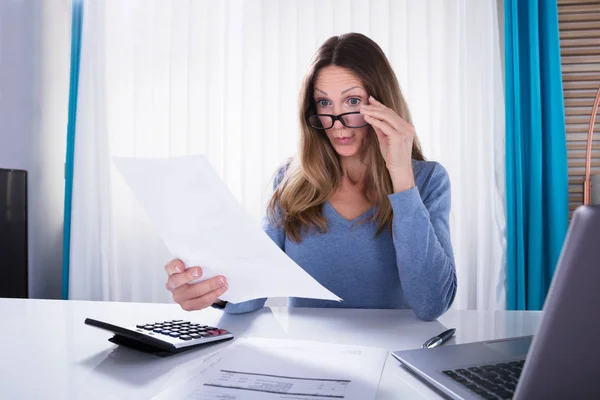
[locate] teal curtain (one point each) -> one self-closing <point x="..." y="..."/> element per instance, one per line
<point x="536" y="154"/>
<point x="77" y="19"/>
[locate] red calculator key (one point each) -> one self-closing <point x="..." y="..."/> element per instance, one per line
<point x="221" y="331"/>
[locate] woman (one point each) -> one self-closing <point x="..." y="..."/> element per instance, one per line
<point x="360" y="209"/>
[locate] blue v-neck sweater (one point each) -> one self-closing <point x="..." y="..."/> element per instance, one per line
<point x="411" y="268"/>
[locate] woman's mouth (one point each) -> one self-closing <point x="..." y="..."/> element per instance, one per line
<point x="343" y="140"/>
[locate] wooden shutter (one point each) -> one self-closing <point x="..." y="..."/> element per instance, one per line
<point x="579" y="24"/>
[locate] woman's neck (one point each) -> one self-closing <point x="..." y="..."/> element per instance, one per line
<point x="353" y="171"/>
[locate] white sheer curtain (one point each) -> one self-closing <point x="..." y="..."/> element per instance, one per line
<point x="221" y="78"/>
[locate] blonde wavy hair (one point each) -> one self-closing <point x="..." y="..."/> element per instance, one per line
<point x="311" y="178"/>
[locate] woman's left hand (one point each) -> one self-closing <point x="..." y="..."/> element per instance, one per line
<point x="396" y="138"/>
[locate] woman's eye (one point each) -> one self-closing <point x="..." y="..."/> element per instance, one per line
<point x="323" y="103"/>
<point x="354" y="101"/>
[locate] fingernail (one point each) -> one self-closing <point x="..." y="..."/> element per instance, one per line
<point x="222" y="281"/>
<point x="194" y="272"/>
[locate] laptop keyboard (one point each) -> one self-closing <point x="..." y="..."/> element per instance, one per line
<point x="497" y="381"/>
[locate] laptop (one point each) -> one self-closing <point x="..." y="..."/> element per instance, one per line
<point x="561" y="361"/>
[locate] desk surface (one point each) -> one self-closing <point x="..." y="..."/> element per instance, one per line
<point x="47" y="351"/>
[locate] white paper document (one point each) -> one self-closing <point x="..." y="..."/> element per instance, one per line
<point x="274" y="369"/>
<point x="202" y="223"/>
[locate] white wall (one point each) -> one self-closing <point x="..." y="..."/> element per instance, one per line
<point x="34" y="77"/>
<point x="16" y="86"/>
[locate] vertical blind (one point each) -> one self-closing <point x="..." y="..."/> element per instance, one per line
<point x="579" y="24"/>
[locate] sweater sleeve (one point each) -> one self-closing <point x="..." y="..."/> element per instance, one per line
<point x="424" y="254"/>
<point x="277" y="234"/>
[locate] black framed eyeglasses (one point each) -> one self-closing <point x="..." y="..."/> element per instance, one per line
<point x="325" y="121"/>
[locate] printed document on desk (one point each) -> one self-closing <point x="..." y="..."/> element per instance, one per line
<point x="202" y="223"/>
<point x="274" y="369"/>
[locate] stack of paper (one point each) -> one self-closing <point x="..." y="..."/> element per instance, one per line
<point x="201" y="223"/>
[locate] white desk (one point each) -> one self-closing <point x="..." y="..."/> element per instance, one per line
<point x="46" y="351"/>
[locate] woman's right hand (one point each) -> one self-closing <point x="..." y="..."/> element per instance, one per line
<point x="196" y="296"/>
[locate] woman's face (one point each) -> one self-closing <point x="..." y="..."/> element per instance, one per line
<point x="338" y="91"/>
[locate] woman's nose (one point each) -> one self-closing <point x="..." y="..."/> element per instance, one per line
<point x="338" y="124"/>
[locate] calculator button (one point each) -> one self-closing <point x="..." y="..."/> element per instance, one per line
<point x="184" y="332"/>
<point x="185" y="337"/>
<point x="165" y="331"/>
<point x="196" y="336"/>
<point x="140" y="326"/>
<point x="157" y="330"/>
<point x="222" y="331"/>
<point x="210" y="328"/>
<point x="174" y="334"/>
<point x="148" y="327"/>
<point x="213" y="333"/>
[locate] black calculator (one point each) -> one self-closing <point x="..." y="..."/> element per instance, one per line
<point x="163" y="338"/>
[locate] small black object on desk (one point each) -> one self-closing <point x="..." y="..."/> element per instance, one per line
<point x="439" y="339"/>
<point x="163" y="338"/>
